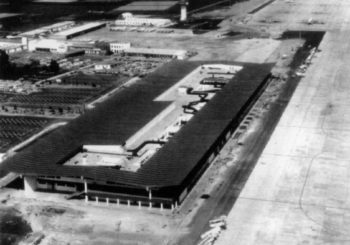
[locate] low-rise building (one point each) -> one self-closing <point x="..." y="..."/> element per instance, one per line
<point x="48" y="45"/>
<point x="70" y="159"/>
<point x="12" y="45"/>
<point x="116" y="47"/>
<point x="104" y="66"/>
<point x="154" y="52"/>
<point x="88" y="47"/>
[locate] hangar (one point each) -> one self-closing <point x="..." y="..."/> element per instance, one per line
<point x="78" y="30"/>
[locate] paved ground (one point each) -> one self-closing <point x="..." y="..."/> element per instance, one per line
<point x="226" y="177"/>
<point x="299" y="191"/>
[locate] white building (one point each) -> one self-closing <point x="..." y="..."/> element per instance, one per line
<point x="183" y="11"/>
<point x="12" y="45"/>
<point x="47" y="45"/>
<point x="10" y="48"/>
<point x="119" y="47"/>
<point x="103" y="66"/>
<point x="129" y="20"/>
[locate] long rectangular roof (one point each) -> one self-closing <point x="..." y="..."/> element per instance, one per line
<point x="46" y="28"/>
<point x="118" y="118"/>
<point x="79" y="29"/>
<point x="148" y="6"/>
<point x="155" y="51"/>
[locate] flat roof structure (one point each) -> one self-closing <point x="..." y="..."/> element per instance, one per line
<point x="118" y="118"/>
<point x="47" y="29"/>
<point x="59" y="24"/>
<point x="155" y="51"/>
<point x="11" y="40"/>
<point x="33" y="33"/>
<point x="75" y="31"/>
<point x="144" y="6"/>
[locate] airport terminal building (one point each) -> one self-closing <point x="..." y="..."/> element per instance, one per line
<point x="167" y="165"/>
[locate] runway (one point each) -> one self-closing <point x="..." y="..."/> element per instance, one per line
<point x="299" y="191"/>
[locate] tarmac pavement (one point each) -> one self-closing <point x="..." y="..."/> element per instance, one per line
<point x="299" y="191"/>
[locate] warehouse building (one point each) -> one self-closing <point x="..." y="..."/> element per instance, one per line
<point x="154" y="52"/>
<point x="155" y="7"/>
<point x="48" y="45"/>
<point x="78" y="30"/>
<point x="165" y="179"/>
<point x="46" y="30"/>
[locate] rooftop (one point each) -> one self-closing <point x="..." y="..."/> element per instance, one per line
<point x="117" y="119"/>
<point x="147" y="6"/>
<point x="155" y="51"/>
<point x="80" y="28"/>
<point x="46" y="28"/>
<point x="59" y="24"/>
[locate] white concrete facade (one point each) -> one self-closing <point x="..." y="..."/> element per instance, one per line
<point x="130" y="20"/>
<point x="30" y="185"/>
<point x="183" y="14"/>
<point x="154" y="52"/>
<point x="50" y="45"/>
<point x="11" y="47"/>
<point x="103" y="67"/>
<point x="119" y="47"/>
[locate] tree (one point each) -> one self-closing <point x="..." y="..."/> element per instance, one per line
<point x="104" y="46"/>
<point x="5" y="64"/>
<point x="54" y="66"/>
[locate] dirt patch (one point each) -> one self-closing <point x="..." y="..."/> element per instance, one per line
<point x="13" y="227"/>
